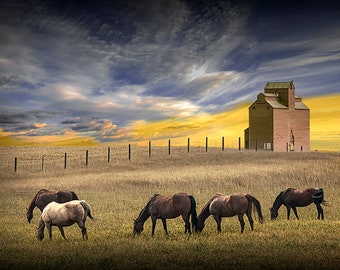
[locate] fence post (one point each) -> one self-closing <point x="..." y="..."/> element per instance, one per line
<point x="15" y="164"/>
<point x="286" y="147"/>
<point x="129" y="151"/>
<point x="256" y="145"/>
<point x="42" y="163"/>
<point x="301" y="148"/>
<point x="149" y="148"/>
<point x="65" y="158"/>
<point x="239" y="143"/>
<point x="87" y="158"/>
<point x="206" y="144"/>
<point x="188" y="145"/>
<point x="169" y="146"/>
<point x="108" y="154"/>
<point x="222" y="144"/>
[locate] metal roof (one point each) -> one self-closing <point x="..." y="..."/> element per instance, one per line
<point x="276" y="104"/>
<point x="278" y="85"/>
<point x="300" y="106"/>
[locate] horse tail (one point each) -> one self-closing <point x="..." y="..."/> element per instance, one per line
<point x="74" y="195"/>
<point x="318" y="197"/>
<point x="193" y="211"/>
<point x="87" y="209"/>
<point x="257" y="204"/>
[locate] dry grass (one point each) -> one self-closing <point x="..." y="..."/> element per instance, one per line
<point x="118" y="190"/>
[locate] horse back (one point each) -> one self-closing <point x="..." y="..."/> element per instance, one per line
<point x="63" y="213"/>
<point x="170" y="206"/>
<point x="229" y="205"/>
<point x="182" y="203"/>
<point x="297" y="198"/>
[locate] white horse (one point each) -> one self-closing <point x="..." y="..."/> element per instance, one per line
<point x="62" y="215"/>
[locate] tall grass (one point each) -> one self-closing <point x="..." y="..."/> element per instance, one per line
<point x="118" y="190"/>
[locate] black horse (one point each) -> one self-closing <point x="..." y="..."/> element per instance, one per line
<point x="292" y="198"/>
<point x="44" y="197"/>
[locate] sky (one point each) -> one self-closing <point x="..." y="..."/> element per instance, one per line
<point x="114" y="71"/>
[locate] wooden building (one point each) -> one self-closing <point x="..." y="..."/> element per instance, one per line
<point x="278" y="120"/>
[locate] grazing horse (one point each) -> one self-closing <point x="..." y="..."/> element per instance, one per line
<point x="44" y="197"/>
<point x="163" y="207"/>
<point x="62" y="215"/>
<point x="228" y="206"/>
<point x="292" y="198"/>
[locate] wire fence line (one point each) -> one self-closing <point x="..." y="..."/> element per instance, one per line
<point x="49" y="158"/>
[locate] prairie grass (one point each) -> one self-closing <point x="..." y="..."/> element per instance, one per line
<point x="118" y="190"/>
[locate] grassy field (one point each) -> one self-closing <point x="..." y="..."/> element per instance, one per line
<point x="118" y="190"/>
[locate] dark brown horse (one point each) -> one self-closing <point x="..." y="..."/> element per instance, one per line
<point x="228" y="206"/>
<point x="44" y="197"/>
<point x="62" y="215"/>
<point x="163" y="207"/>
<point x="292" y="198"/>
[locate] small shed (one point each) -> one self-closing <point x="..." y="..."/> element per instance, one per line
<point x="278" y="120"/>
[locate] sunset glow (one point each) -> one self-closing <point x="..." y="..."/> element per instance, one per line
<point x="325" y="130"/>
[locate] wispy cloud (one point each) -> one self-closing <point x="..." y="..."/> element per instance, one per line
<point x="111" y="65"/>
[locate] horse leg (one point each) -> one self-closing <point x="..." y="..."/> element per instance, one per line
<point x="295" y="212"/>
<point x="164" y="226"/>
<point x="242" y="223"/>
<point x="218" y="220"/>
<point x="61" y="229"/>
<point x="154" y="219"/>
<point x="49" y="228"/>
<point x="187" y="224"/>
<point x="81" y="225"/>
<point x="251" y="221"/>
<point x="288" y="212"/>
<point x="320" y="211"/>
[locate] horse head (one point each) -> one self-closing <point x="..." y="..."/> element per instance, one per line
<point x="137" y="227"/>
<point x="199" y="226"/>
<point x="273" y="213"/>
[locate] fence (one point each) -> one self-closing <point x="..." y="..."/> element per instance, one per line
<point x="56" y="158"/>
<point x="62" y="158"/>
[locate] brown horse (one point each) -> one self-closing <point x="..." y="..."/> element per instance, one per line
<point x="292" y="198"/>
<point x="228" y="206"/>
<point x="163" y="207"/>
<point x="62" y="215"/>
<point x="44" y="197"/>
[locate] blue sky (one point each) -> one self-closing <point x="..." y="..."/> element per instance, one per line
<point x="96" y="68"/>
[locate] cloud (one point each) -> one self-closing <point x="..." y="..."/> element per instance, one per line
<point x="101" y="129"/>
<point x="95" y="69"/>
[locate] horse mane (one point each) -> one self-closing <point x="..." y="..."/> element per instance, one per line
<point x="278" y="201"/>
<point x="144" y="210"/>
<point x="33" y="204"/>
<point x="205" y="213"/>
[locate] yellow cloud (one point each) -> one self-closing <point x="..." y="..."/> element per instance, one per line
<point x="225" y="124"/>
<point x="324" y="126"/>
